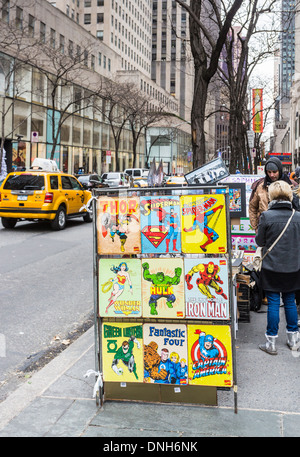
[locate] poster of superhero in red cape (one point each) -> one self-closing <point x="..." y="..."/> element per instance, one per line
<point x="118" y="225"/>
<point x="210" y="355"/>
<point x="165" y="354"/>
<point x="163" y="288"/>
<point x="120" y="288"/>
<point x="160" y="225"/>
<point x="203" y="223"/>
<point x="206" y="288"/>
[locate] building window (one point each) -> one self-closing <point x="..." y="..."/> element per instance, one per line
<point x="87" y="19"/>
<point x="19" y="18"/>
<point x="62" y="44"/>
<point x="99" y="34"/>
<point x="100" y="18"/>
<point x="42" y="32"/>
<point x="52" y="38"/>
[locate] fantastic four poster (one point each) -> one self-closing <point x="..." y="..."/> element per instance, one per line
<point x="118" y="224"/>
<point x="210" y="355"/>
<point x="122" y="349"/>
<point x="160" y="225"/>
<point x="206" y="288"/>
<point x="120" y="288"/>
<point x="165" y="354"/>
<point x="203" y="222"/>
<point x="163" y="288"/>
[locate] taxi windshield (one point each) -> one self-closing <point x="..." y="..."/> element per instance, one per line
<point x="25" y="182"/>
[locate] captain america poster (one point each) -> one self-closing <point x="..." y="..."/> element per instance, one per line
<point x="206" y="288"/>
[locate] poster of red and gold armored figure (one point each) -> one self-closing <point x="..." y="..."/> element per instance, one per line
<point x="165" y="354"/>
<point x="122" y="352"/>
<point x="160" y="225"/>
<point x="210" y="355"/>
<point x="163" y="288"/>
<point x="203" y="224"/>
<point x="206" y="288"/>
<point x="120" y="288"/>
<point x="118" y="225"/>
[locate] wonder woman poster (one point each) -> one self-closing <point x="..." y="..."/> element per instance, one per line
<point x="160" y="225"/>
<point x="122" y="352"/>
<point x="118" y="225"/>
<point x="163" y="288"/>
<point x="210" y="355"/>
<point x="165" y="354"/>
<point x="206" y="289"/>
<point x="203" y="222"/>
<point x="120" y="288"/>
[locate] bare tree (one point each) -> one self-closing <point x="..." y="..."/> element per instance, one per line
<point x="209" y="27"/>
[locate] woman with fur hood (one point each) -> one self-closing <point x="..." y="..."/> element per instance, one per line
<point x="259" y="199"/>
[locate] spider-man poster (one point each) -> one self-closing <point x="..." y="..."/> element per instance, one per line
<point x="206" y="288"/>
<point x="160" y="225"/>
<point x="203" y="222"/>
<point x="210" y="355"/>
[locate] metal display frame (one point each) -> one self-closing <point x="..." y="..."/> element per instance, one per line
<point x="160" y="393"/>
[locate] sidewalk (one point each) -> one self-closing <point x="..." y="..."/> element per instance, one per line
<point x="57" y="400"/>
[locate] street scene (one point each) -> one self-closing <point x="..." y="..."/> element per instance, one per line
<point x="149" y="221"/>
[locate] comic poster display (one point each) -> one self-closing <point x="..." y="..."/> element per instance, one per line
<point x="244" y="243"/>
<point x="118" y="225"/>
<point x="163" y="288"/>
<point x="160" y="225"/>
<point x="203" y="222"/>
<point x="206" y="289"/>
<point x="122" y="350"/>
<point x="120" y="288"/>
<point x="210" y="355"/>
<point x="165" y="354"/>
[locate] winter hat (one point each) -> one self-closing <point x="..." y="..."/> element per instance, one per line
<point x="297" y="172"/>
<point x="280" y="190"/>
<point x="274" y="164"/>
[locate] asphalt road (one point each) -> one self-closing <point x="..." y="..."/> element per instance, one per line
<point x="46" y="291"/>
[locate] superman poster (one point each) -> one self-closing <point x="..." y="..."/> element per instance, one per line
<point x="122" y="352"/>
<point x="203" y="223"/>
<point x="118" y="225"/>
<point x="210" y="355"/>
<point x="206" y="289"/>
<point x="120" y="288"/>
<point x="165" y="354"/>
<point x="160" y="225"/>
<point x="163" y="288"/>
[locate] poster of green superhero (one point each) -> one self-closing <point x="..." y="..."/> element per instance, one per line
<point x="160" y="225"/>
<point x="165" y="353"/>
<point x="120" y="288"/>
<point x="122" y="352"/>
<point x="163" y="288"/>
<point x="203" y="223"/>
<point x="206" y="288"/>
<point x="210" y="355"/>
<point x="118" y="225"/>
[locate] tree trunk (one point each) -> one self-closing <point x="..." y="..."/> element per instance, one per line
<point x="198" y="119"/>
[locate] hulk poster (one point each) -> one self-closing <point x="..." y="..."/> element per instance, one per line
<point x="118" y="225"/>
<point x="120" y="288"/>
<point x="163" y="288"/>
<point x="160" y="225"/>
<point x="165" y="354"/>
<point x="203" y="224"/>
<point x="122" y="352"/>
<point x="206" y="288"/>
<point x="210" y="355"/>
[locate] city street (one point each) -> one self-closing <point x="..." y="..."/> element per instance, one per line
<point x="46" y="291"/>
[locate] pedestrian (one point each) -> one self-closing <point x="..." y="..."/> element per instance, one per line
<point x="259" y="198"/>
<point x="280" y="272"/>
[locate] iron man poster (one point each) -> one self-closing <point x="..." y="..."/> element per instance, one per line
<point x="206" y="288"/>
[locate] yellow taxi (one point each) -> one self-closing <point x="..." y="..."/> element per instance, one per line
<point x="42" y="195"/>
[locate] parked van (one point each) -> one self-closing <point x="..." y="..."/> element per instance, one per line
<point x="137" y="172"/>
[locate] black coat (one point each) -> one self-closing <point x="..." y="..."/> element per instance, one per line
<point x="285" y="256"/>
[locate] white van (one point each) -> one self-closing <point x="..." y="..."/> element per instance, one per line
<point x="137" y="172"/>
